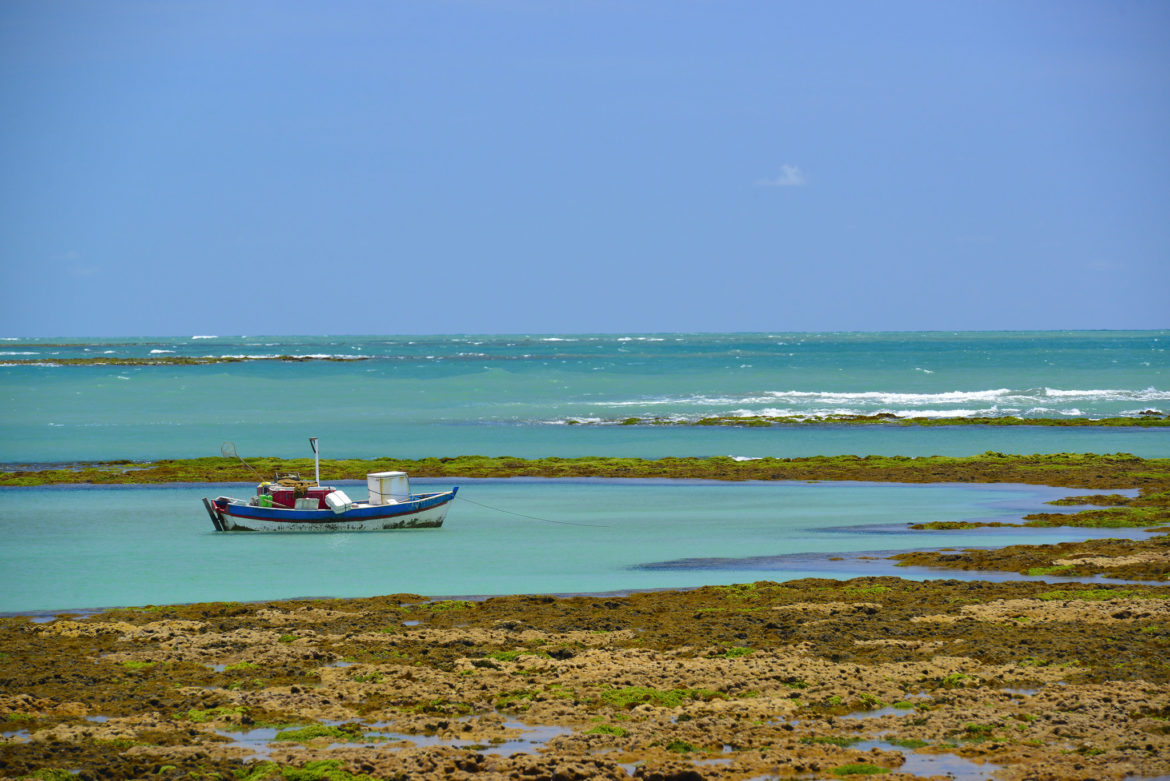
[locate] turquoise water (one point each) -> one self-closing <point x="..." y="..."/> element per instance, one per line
<point x="532" y="396"/>
<point x="535" y="395"/>
<point x="84" y="547"/>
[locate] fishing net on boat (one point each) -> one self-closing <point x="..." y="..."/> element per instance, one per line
<point x="228" y="450"/>
<point x="292" y="480"/>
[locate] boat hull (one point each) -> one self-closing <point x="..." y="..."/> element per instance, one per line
<point x="425" y="511"/>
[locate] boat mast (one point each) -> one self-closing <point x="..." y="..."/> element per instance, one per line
<point x="316" y="459"/>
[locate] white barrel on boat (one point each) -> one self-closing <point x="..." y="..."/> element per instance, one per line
<point x="388" y="487"/>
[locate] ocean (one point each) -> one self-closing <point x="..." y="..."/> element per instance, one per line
<point x="71" y="547"/>
<point x="568" y="395"/>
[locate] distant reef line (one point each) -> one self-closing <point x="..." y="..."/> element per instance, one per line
<point x="176" y="360"/>
<point x="1074" y="470"/>
<point x="1149" y="418"/>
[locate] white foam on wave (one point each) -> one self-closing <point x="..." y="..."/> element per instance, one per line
<point x="994" y="401"/>
<point x="272" y="356"/>
<point x="948" y="413"/>
<point x="660" y="401"/>
<point x="891" y="398"/>
<point x="833" y="399"/>
<point x="203" y="336"/>
<point x="575" y="420"/>
<point x="745" y="458"/>
<point x="1148" y="394"/>
<point x="16" y="352"/>
<point x="819" y="413"/>
<point x="160" y="352"/>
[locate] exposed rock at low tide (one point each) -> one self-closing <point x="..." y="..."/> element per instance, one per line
<point x="805" y="679"/>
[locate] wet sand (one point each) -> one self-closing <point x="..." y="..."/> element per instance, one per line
<point x="804" y="679"/>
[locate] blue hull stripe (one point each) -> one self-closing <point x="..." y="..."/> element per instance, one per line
<point x="357" y="514"/>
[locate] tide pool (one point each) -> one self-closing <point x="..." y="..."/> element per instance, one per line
<point x="76" y="547"/>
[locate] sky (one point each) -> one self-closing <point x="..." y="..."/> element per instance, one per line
<point x="585" y="166"/>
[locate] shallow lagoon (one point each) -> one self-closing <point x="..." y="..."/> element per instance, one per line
<point x="75" y="547"/>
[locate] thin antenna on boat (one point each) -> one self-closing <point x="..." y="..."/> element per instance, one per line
<point x="228" y="450"/>
<point x="316" y="459"/>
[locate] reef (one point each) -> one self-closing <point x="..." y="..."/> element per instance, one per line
<point x="1145" y="419"/>
<point x="1143" y="560"/>
<point x="1150" y="508"/>
<point x="1074" y="470"/>
<point x="803" y="679"/>
<point x="1150" y="417"/>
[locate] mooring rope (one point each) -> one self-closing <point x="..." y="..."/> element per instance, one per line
<point x="463" y="498"/>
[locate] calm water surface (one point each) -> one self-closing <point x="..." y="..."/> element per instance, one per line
<point x="82" y="547"/>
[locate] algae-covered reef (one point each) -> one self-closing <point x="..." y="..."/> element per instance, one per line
<point x="1147" y="559"/>
<point x="754" y="680"/>
<point x="1151" y="507"/>
<point x="1141" y="560"/>
<point x="1076" y="470"/>
<point x="1147" y="419"/>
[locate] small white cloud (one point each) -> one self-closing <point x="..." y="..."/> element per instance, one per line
<point x="76" y="266"/>
<point x="790" y="176"/>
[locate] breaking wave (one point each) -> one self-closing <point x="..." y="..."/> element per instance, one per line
<point x="994" y="402"/>
<point x="309" y="356"/>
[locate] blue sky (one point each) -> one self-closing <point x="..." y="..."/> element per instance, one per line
<point x="498" y="166"/>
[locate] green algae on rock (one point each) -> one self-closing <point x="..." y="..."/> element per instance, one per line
<point x="1077" y="470"/>
<point x="1003" y="673"/>
<point x="1145" y="420"/>
<point x="1147" y="559"/>
<point x="1151" y="508"/>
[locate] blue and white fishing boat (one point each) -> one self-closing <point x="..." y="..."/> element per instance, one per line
<point x="290" y="504"/>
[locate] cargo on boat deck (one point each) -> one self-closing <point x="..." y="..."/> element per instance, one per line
<point x="388" y="487"/>
<point x="289" y="497"/>
<point x="338" y="501"/>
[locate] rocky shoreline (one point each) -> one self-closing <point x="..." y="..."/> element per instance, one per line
<point x="804" y="679"/>
<point x="1110" y="471"/>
